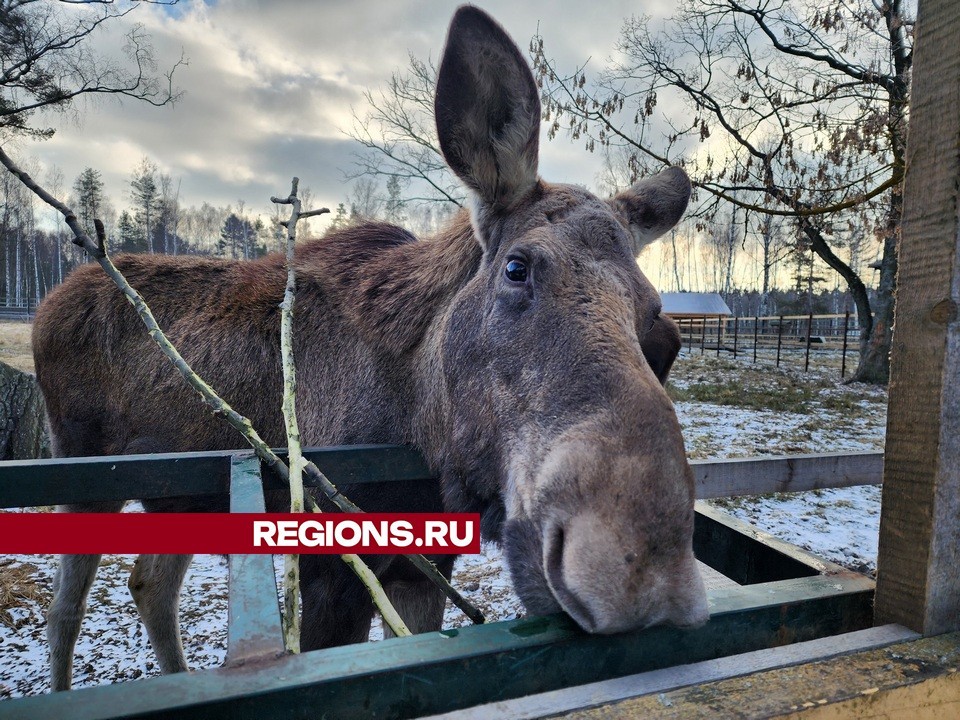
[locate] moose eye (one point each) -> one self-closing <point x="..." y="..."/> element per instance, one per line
<point x="516" y="271"/>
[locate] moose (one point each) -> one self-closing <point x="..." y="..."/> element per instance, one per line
<point x="521" y="350"/>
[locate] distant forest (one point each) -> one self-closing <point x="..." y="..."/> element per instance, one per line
<point x="37" y="253"/>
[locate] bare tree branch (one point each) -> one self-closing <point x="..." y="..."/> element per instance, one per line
<point x="47" y="60"/>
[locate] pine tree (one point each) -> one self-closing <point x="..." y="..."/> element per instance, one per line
<point x="238" y="237"/>
<point x="129" y="239"/>
<point x="145" y="194"/>
<point x="341" y="218"/>
<point x="88" y="188"/>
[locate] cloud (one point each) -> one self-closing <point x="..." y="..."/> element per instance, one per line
<point x="270" y="85"/>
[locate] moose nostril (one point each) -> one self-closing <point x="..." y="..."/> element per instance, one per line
<point x="554" y="546"/>
<point x="554" y="555"/>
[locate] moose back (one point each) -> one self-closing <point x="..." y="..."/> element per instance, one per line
<point x="521" y="350"/>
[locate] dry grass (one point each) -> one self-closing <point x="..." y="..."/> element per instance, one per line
<point x="762" y="386"/>
<point x="15" y="345"/>
<point x="17" y="589"/>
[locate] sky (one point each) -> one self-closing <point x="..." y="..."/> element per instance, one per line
<point x="270" y="88"/>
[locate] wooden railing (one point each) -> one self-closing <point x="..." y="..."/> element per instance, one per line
<point x="784" y="595"/>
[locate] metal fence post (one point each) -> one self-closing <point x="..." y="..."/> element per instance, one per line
<point x="736" y="330"/>
<point x="779" y="339"/>
<point x="843" y="362"/>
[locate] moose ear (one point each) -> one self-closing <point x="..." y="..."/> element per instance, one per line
<point x="488" y="111"/>
<point x="653" y="206"/>
<point x="661" y="345"/>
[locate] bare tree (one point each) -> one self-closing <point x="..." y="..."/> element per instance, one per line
<point x="46" y="60"/>
<point x="772" y="251"/>
<point x="399" y="138"/>
<point x="827" y="81"/>
<point x="366" y="201"/>
<point x="169" y="213"/>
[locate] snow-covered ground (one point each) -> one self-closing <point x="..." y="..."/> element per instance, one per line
<point x="781" y="412"/>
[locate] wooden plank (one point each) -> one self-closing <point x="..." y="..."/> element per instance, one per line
<point x="667" y="679"/>
<point x="747" y="555"/>
<point x="931" y="698"/>
<point x="908" y="680"/>
<point x="919" y="553"/>
<point x="792" y="473"/>
<point x="253" y="621"/>
<point x="29" y="483"/>
<point x="441" y="672"/>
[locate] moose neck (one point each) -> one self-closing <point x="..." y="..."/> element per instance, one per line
<point x="393" y="293"/>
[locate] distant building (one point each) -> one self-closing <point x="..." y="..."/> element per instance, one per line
<point x="690" y="305"/>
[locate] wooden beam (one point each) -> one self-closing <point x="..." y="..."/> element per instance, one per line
<point x="919" y="556"/>
<point x="441" y="672"/>
<point x="28" y="483"/>
<point x="253" y="620"/>
<point x="582" y="697"/>
<point x="914" y="680"/>
<point x="790" y="473"/>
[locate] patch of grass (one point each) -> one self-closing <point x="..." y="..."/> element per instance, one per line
<point x="846" y="402"/>
<point x="736" y="393"/>
<point x="15" y="348"/>
<point x="722" y="381"/>
<point x="17" y="589"/>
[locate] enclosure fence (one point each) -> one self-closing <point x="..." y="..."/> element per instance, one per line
<point x="822" y="340"/>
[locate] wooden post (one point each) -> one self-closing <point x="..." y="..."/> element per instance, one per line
<point x="756" y="330"/>
<point x="703" y="334"/>
<point x="918" y="582"/>
<point x="736" y="332"/>
<point x="806" y="360"/>
<point x="719" y="332"/>
<point x="846" y="328"/>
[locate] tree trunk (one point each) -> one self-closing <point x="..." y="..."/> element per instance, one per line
<point x="23" y="433"/>
<point x="874" y="364"/>
<point x="676" y="264"/>
<point x="19" y="271"/>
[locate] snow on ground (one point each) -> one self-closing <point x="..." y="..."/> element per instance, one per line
<point x="726" y="408"/>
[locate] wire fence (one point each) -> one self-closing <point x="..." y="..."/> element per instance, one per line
<point x="17" y="308"/>
<point x="824" y="340"/>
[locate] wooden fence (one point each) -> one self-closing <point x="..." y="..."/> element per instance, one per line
<point x="782" y="595"/>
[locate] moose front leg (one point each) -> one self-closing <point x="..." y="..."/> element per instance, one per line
<point x="337" y="609"/>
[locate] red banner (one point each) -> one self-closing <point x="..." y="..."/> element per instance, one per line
<point x="239" y="533"/>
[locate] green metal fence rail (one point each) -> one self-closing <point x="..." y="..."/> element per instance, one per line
<point x="785" y="595"/>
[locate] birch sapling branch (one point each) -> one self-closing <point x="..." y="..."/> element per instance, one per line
<point x="291" y="568"/>
<point x="291" y="563"/>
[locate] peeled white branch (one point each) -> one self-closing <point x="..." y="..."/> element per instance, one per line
<point x="291" y="563"/>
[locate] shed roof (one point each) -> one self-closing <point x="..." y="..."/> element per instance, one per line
<point x="694" y="303"/>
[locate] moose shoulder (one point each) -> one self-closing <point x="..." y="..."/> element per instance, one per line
<point x="521" y="350"/>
